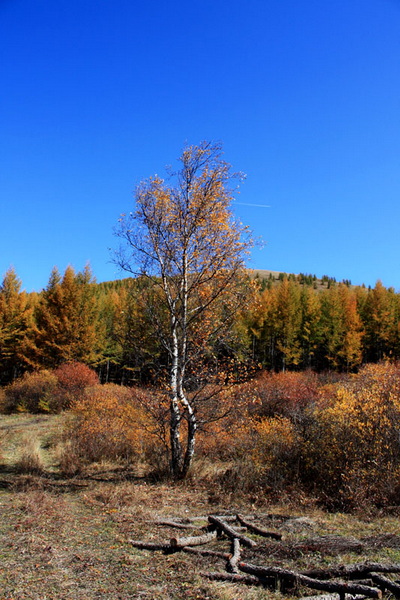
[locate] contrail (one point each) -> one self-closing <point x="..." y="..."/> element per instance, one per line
<point x="259" y="205"/>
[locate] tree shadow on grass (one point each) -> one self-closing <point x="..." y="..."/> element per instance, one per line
<point x="13" y="479"/>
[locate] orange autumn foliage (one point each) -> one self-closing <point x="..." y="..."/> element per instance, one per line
<point x="33" y="392"/>
<point x="73" y="378"/>
<point x="285" y="394"/>
<point x="111" y="422"/>
<point x="353" y="449"/>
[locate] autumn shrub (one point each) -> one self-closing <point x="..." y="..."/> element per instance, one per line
<point x="275" y="450"/>
<point x="110" y="423"/>
<point x="285" y="394"/>
<point x="219" y="441"/>
<point x="73" y="378"/>
<point x="33" y="392"/>
<point x="221" y="417"/>
<point x="264" y="437"/>
<point x="351" y="453"/>
<point x="266" y="458"/>
<point x="334" y="438"/>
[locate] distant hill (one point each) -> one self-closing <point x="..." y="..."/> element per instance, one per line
<point x="303" y="278"/>
<point x="265" y="275"/>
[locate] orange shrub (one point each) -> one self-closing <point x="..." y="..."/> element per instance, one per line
<point x="275" y="443"/>
<point x="257" y="452"/>
<point x="269" y="457"/>
<point x="352" y="450"/>
<point x="33" y="392"/>
<point x="222" y="417"/>
<point x="73" y="378"/>
<point x="111" y="422"/>
<point x="286" y="394"/>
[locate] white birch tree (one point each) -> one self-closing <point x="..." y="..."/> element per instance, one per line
<point x="182" y="236"/>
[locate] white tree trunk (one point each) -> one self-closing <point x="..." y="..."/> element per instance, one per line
<point x="175" y="417"/>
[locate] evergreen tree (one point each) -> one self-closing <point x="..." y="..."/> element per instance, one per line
<point x="309" y="329"/>
<point x="16" y="329"/>
<point x="287" y="323"/>
<point x="379" y="318"/>
<point x="68" y="328"/>
<point x="341" y="329"/>
<point x="277" y="326"/>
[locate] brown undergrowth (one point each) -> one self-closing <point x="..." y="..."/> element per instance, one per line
<point x="67" y="538"/>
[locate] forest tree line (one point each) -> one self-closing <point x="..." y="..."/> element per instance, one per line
<point x="290" y="323"/>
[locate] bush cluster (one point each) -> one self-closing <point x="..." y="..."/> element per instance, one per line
<point x="338" y="441"/>
<point x="107" y="423"/>
<point x="333" y="438"/>
<point x="115" y="423"/>
<point x="352" y="453"/>
<point x="73" y="379"/>
<point x="48" y="391"/>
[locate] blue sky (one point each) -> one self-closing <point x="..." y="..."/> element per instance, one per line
<point x="305" y="97"/>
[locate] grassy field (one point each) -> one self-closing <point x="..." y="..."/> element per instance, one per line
<point x="69" y="538"/>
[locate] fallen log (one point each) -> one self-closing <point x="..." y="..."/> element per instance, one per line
<point x="231" y="532"/>
<point x="234" y="558"/>
<point x="233" y="578"/>
<point x="229" y="518"/>
<point x="195" y="540"/>
<point x="293" y="578"/>
<point x="386" y="584"/>
<point x="341" y="588"/>
<point x="364" y="582"/>
<point x="177" y="543"/>
<point x="356" y="571"/>
<point x="329" y="597"/>
<point x="258" y="530"/>
<point x="176" y="524"/>
<point x="150" y="545"/>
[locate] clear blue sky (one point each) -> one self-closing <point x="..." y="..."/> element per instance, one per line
<point x="305" y="97"/>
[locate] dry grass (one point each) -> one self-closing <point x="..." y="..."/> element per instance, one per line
<point x="29" y="459"/>
<point x="42" y="431"/>
<point x="69" y="462"/>
<point x="68" y="538"/>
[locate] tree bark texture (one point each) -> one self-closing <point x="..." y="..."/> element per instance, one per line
<point x="231" y="532"/>
<point x="234" y="558"/>
<point x="195" y="540"/>
<point x="292" y="578"/>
